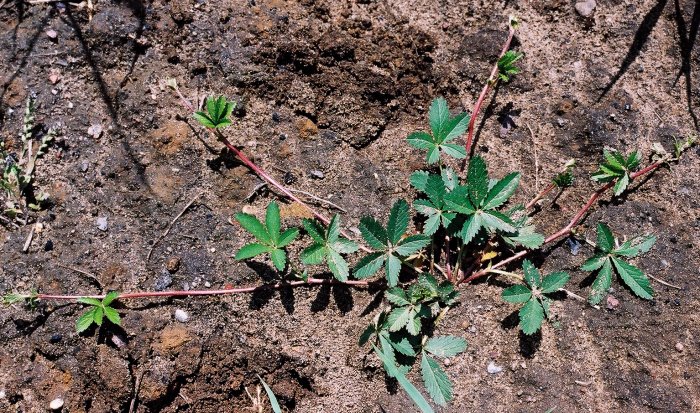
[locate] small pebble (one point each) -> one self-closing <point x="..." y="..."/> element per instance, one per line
<point x="472" y="329"/>
<point x="665" y="264"/>
<point x="102" y="223"/>
<point x="628" y="107"/>
<point x="574" y="245"/>
<point x="283" y="136"/>
<point x="2" y="394"/>
<point x="207" y="284"/>
<point x="55" y="338"/>
<point x="54" y="78"/>
<point x="447" y="362"/>
<point x="118" y="341"/>
<point x="316" y="174"/>
<point x="680" y="347"/>
<point x="51" y="33"/>
<point x="173" y="264"/>
<point x="276" y="116"/>
<point x="163" y="282"/>
<point x="585" y="8"/>
<point x="493" y="368"/>
<point x="95" y="131"/>
<point x="56" y="404"/>
<point x="84" y="166"/>
<point x="612" y="303"/>
<point x="181" y="316"/>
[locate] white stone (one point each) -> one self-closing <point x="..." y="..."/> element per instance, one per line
<point x="493" y="368"/>
<point x="56" y="404"/>
<point x="181" y="316"/>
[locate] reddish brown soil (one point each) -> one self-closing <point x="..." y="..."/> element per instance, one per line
<point x="336" y="86"/>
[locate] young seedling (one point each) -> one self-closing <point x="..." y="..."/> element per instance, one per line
<point x="534" y="295"/>
<point x="612" y="255"/>
<point x="99" y="309"/>
<point x="392" y="248"/>
<point x="617" y="168"/>
<point x="444" y="128"/>
<point x="18" y="173"/>
<point x="328" y="246"/>
<point x="270" y="240"/>
<point x="562" y="180"/>
<point x="502" y="70"/>
<point x="217" y="114"/>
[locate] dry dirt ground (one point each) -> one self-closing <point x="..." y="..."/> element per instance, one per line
<point x="335" y="87"/>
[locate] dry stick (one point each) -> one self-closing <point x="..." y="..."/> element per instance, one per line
<point x="660" y="281"/>
<point x="85" y="273"/>
<point x="490" y="83"/>
<point x="567" y="229"/>
<point x="262" y="174"/>
<point x="152" y="294"/>
<point x="170" y="226"/>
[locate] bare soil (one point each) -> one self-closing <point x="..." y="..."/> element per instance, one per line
<point x="335" y="87"/>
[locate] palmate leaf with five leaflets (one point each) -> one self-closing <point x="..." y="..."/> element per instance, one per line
<point x="533" y="294"/>
<point x="609" y="257"/>
<point x="617" y="167"/>
<point x="390" y="247"/>
<point x="270" y="239"/>
<point x="99" y="309"/>
<point x="478" y="202"/>
<point x="435" y="188"/>
<point x="444" y="128"/>
<point x="217" y="113"/>
<point x="506" y="65"/>
<point x="328" y="246"/>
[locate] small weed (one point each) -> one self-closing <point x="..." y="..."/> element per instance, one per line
<point x="611" y="255"/>
<point x="99" y="309"/>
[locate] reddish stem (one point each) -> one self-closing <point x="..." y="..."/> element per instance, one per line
<point x="539" y="196"/>
<point x="484" y="92"/>
<point x="567" y="229"/>
<point x="264" y="175"/>
<point x="277" y="286"/>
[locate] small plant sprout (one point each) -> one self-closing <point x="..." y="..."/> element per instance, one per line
<point x="270" y="240"/>
<point x="218" y="112"/>
<point x="617" y="168"/>
<point x="328" y="246"/>
<point x="534" y="295"/>
<point x="562" y="180"/>
<point x="17" y="174"/>
<point x="274" y="404"/>
<point x="506" y="65"/>
<point x="444" y="128"/>
<point x="392" y="248"/>
<point x="611" y="255"/>
<point x="98" y="310"/>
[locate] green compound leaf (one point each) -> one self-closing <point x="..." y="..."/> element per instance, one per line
<point x="251" y="250"/>
<point x="606" y="241"/>
<point x="374" y="233"/>
<point x="502" y="191"/>
<point x="396" y="296"/>
<point x="109" y="298"/>
<point x="553" y="282"/>
<point x="398" y="221"/>
<point x="636" y="246"/>
<point x="85" y="320"/>
<point x="531" y="274"/>
<point x="90" y="301"/>
<point x="272" y="222"/>
<point x="279" y="259"/>
<point x="412" y="244"/>
<point x="516" y="294"/>
<point x="531" y="316"/>
<point x="408" y="387"/>
<point x="393" y="268"/>
<point x="634" y="278"/>
<point x="369" y="265"/>
<point x="251" y="224"/>
<point x="594" y="263"/>
<point x="445" y="346"/>
<point x="439" y="116"/>
<point x="602" y="283"/>
<point x="112" y="315"/>
<point x="478" y="180"/>
<point x="436" y="381"/>
<point x="399" y="317"/>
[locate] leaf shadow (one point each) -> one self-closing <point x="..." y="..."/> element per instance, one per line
<point x="529" y="345"/>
